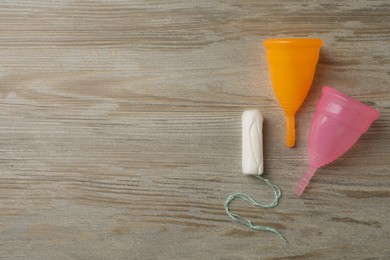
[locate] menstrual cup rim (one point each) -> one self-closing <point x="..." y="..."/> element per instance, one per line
<point x="292" y="42"/>
<point x="371" y="112"/>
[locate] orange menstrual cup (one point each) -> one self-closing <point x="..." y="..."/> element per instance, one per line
<point x="292" y="63"/>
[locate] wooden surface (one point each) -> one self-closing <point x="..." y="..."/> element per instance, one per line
<point x="120" y="130"/>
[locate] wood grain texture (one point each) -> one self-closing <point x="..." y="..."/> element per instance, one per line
<point x="121" y="131"/>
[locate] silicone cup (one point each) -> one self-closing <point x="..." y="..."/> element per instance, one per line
<point x="338" y="123"/>
<point x="292" y="63"/>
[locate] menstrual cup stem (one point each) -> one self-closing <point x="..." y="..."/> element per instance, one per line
<point x="290" y="125"/>
<point x="304" y="180"/>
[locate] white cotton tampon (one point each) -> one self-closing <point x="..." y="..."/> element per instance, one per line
<point x="252" y="142"/>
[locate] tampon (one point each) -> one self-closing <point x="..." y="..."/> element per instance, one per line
<point x="252" y="142"/>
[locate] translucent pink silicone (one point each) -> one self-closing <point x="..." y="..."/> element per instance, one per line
<point x="338" y="123"/>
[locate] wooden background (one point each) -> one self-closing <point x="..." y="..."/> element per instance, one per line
<point x="120" y="131"/>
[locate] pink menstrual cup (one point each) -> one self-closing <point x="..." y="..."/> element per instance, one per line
<point x="338" y="123"/>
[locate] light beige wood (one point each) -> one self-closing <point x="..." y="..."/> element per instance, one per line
<point x="120" y="131"/>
